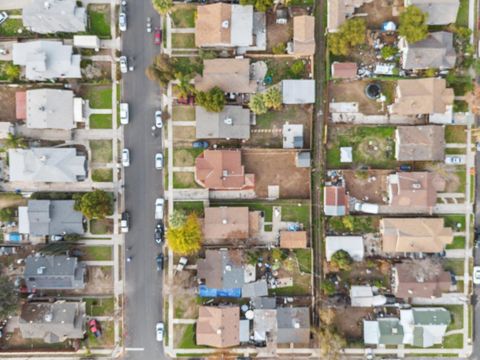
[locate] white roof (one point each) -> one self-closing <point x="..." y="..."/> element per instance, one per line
<point x="298" y="91"/>
<point x="292" y="136"/>
<point x="44" y="60"/>
<point x="351" y="244"/>
<point x="50" y="109"/>
<point x="23" y="222"/>
<point x="242" y="25"/>
<point x="86" y="41"/>
<point x="362" y="296"/>
<point x="370" y="332"/>
<point x="346" y="155"/>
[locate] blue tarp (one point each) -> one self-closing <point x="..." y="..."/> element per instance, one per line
<point x="14" y="237"/>
<point x="211" y="292"/>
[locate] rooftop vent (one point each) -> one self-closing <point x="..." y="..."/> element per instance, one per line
<point x="416" y="185"/>
<point x="225" y="173"/>
<point x="41" y="270"/>
<point x="48" y="317"/>
<point x="228" y="121"/>
<point x="47" y="4"/>
<point x="224" y="221"/>
<point x="225" y="24"/>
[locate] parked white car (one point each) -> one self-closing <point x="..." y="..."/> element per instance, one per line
<point x="159" y="208"/>
<point x="125" y="157"/>
<point x="158" y="161"/>
<point x="158" y="119"/>
<point x="122" y="22"/>
<point x="124" y="115"/>
<point x="159" y="331"/>
<point x="476" y="275"/>
<point x="123" y="64"/>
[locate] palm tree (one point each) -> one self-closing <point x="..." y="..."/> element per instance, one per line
<point x="163" y="7"/>
<point x="184" y="88"/>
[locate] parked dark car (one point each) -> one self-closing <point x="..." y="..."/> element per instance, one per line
<point x="159" y="260"/>
<point x="405" y="167"/>
<point x="200" y="144"/>
<point x="159" y="233"/>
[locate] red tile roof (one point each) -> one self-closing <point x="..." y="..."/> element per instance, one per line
<point x="345" y="70"/>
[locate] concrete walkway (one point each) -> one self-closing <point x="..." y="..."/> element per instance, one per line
<point x="184" y="321"/>
<point x="99" y="263"/>
<point x="184" y="123"/>
<point x="13" y="4"/>
<point x="184" y="168"/>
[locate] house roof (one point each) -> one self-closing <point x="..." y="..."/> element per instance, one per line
<point x="431" y="316"/>
<point x="413" y="282"/>
<point x="298" y="91"/>
<point x="292" y="136"/>
<point x="265" y="325"/>
<point x="424" y="327"/>
<point x="222" y="269"/>
<point x="334" y="200"/>
<point x="413" y="191"/>
<point x="53" y="16"/>
<point x="293" y="325"/>
<point x="46" y="165"/>
<point x="230" y="75"/>
<point x="54" y="272"/>
<point x="263" y="302"/>
<point x="50" y="109"/>
<point x="390" y="331"/>
<point x="440" y="12"/>
<point x="52" y="322"/>
<point x="224" y="25"/>
<point x="21" y="105"/>
<point x="336" y="14"/>
<point x="363" y="296"/>
<point x="422" y="96"/>
<point x="255" y="289"/>
<point x="353" y="245"/>
<point x="218" y="326"/>
<point x="302" y="159"/>
<point x="46" y="59"/>
<point x="420" y="143"/>
<point x="233" y="122"/>
<point x="304" y="35"/>
<point x="344" y="70"/>
<point x="293" y="239"/>
<point x="222" y="170"/>
<point x="436" y="51"/>
<point x="427" y="235"/>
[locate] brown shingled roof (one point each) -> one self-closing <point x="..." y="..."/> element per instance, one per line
<point x="411" y="285"/>
<point x="293" y="239"/>
<point x="344" y="70"/>
<point x="218" y="326"/>
<point x="208" y="29"/>
<point x="304" y="35"/>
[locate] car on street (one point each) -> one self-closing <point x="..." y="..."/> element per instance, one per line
<point x="159" y="209"/>
<point x="125" y="222"/>
<point x="3" y="17"/>
<point x="159" y="233"/>
<point x="158" y="161"/>
<point x="122" y="21"/>
<point x="158" y="119"/>
<point x="123" y="64"/>
<point x="159" y="261"/>
<point x="157" y="36"/>
<point x="126" y="157"/>
<point x="200" y="144"/>
<point x="149" y="24"/>
<point x="94" y="328"/>
<point x="476" y="275"/>
<point x="124" y="115"/>
<point x="159" y="331"/>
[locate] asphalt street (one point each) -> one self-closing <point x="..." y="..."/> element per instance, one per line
<point x="143" y="184"/>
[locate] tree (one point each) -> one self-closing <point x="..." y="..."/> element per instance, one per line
<point x="351" y="33"/>
<point x="342" y="260"/>
<point x="257" y="104"/>
<point x="297" y="69"/>
<point x="161" y="70"/>
<point x="413" y="24"/>
<point x="72" y="237"/>
<point x="388" y="52"/>
<point x="12" y="72"/>
<point x="279" y="49"/>
<point x="185" y="238"/>
<point x="212" y="100"/>
<point x="331" y="344"/>
<point x="57" y="248"/>
<point x="260" y="5"/>
<point x="327" y="316"/>
<point x="7" y="214"/>
<point x="8" y="297"/>
<point x="94" y="205"/>
<point x="328" y="287"/>
<point x="272" y="98"/>
<point x="430" y="72"/>
<point x="163" y="7"/>
<point x="184" y="88"/>
<point x="13" y="142"/>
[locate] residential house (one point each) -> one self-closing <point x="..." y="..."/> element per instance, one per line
<point x="222" y="170"/>
<point x="52" y="16"/>
<point x="344" y="70"/>
<point x="414" y="192"/>
<point x="414" y="235"/>
<point x="335" y="201"/>
<point x="298" y="91"/>
<point x="293" y="239"/>
<point x="230" y="75"/>
<point x="411" y="280"/>
<point x="54" y="272"/>
<point x="230" y="225"/>
<point x="46" y="60"/>
<point x="304" y="35"/>
<point x="436" y="51"/>
<point x="420" y="143"/>
<point x="221" y="25"/>
<point x="302" y="159"/>
<point x="353" y="245"/>
<point x="282" y="325"/>
<point x="52" y="322"/>
<point x="218" y="326"/>
<point x="341" y="10"/>
<point x="383" y="331"/>
<point x="233" y="122"/>
<point x="292" y="136"/>
<point x="365" y="296"/>
<point x="46" y="165"/>
<point x="50" y="217"/>
<point x="424" y="327"/>
<point x="440" y="12"/>
<point x="422" y="96"/>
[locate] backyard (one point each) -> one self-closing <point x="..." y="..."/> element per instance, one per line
<point x="371" y="146"/>
<point x="102" y="151"/>
<point x="352" y="224"/>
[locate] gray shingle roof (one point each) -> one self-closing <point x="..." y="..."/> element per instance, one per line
<point x="257" y="288"/>
<point x="436" y="51"/>
<point x="233" y="122"/>
<point x="298" y="91"/>
<point x="293" y="325"/>
<point x="55" y="217"/>
<point x="440" y="12"/>
<point x="50" y="16"/>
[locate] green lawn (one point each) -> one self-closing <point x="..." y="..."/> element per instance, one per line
<point x="304" y="258"/>
<point x="462" y="178"/>
<point x="453" y="341"/>
<point x="100" y="306"/>
<point x="189" y="207"/>
<point x="183" y="113"/>
<point x="183" y="41"/>
<point x="454" y="265"/>
<point x="101" y="226"/>
<point x="455" y="134"/>
<point x="458" y="243"/>
<point x="99" y="96"/>
<point x="6" y="67"/>
<point x="183" y="16"/>
<point x="106" y="340"/>
<point x="462" y="15"/>
<point x="11" y="26"/>
<point x="295" y="290"/>
<point x="97" y="253"/>
<point x="184" y="180"/>
<point x="371" y="146"/>
<point x="100" y="121"/>
<point x="185" y="156"/>
<point x="296" y="212"/>
<point x="102" y="175"/>
<point x="99" y="23"/>
<point x="456" y="312"/>
<point x="352" y="224"/>
<point x="188" y="338"/>
<point x="456" y="222"/>
<point x="102" y="151"/>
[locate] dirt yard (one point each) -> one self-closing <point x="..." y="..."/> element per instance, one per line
<point x="183" y="136"/>
<point x="454" y="176"/>
<point x="348" y="322"/>
<point x="278" y="33"/>
<point x="368" y="185"/>
<point x="277" y="167"/>
<point x="7" y="99"/>
<point x="378" y="12"/>
<point x="99" y="280"/>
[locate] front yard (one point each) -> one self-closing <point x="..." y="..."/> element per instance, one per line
<point x="102" y="175"/>
<point x="101" y="226"/>
<point x="99" y="20"/>
<point x="102" y="151"/>
<point x="100" y="121"/>
<point x="183" y="41"/>
<point x="97" y="253"/>
<point x="185" y="156"/>
<point x="103" y="306"/>
<point x="189" y="207"/>
<point x="184" y="180"/>
<point x="183" y="16"/>
<point x="183" y="113"/>
<point x="98" y="96"/>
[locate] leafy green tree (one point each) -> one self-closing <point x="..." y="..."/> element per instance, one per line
<point x="96" y="204"/>
<point x="13" y="142"/>
<point x="342" y="260"/>
<point x="57" y="248"/>
<point x="72" y="237"/>
<point x="257" y="104"/>
<point x="388" y="51"/>
<point x="184" y="88"/>
<point x="297" y="69"/>
<point x="351" y="33"/>
<point x="163" y="7"/>
<point x="161" y="70"/>
<point x="279" y="49"/>
<point x="260" y="5"/>
<point x="177" y="219"/>
<point x="430" y="72"/>
<point x="328" y="287"/>
<point x="272" y="98"/>
<point x="413" y="24"/>
<point x="185" y="238"/>
<point x="12" y="72"/>
<point x="7" y="214"/>
<point x="212" y="100"/>
<point x="8" y="297"/>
